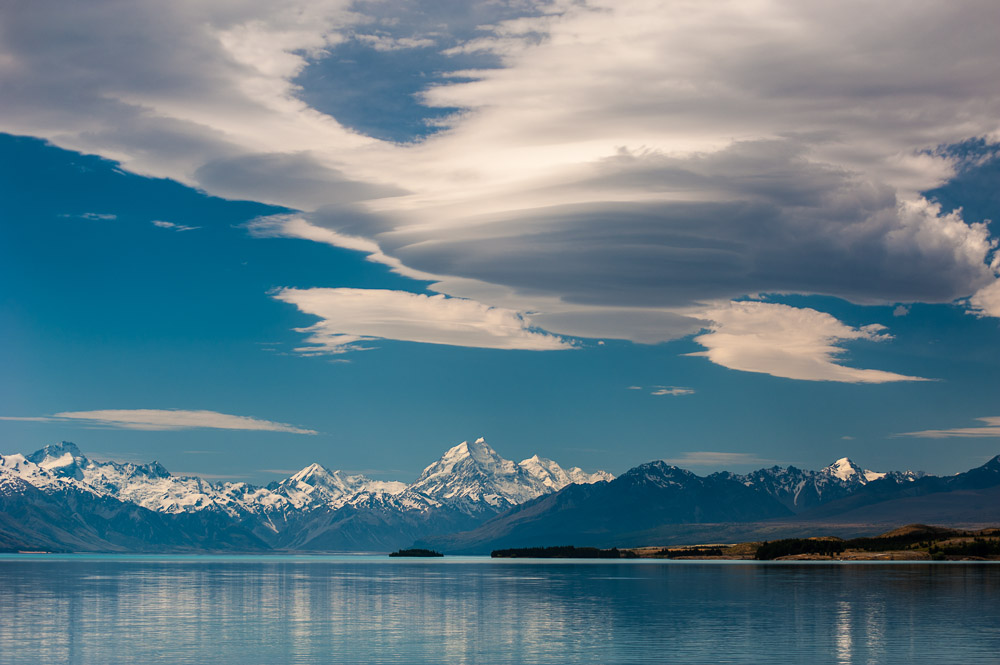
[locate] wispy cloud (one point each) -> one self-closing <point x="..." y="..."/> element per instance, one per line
<point x="990" y="430"/>
<point x="208" y="476"/>
<point x="99" y="216"/>
<point x="707" y="458"/>
<point x="672" y="391"/>
<point x="352" y="316"/>
<point x="165" y="419"/>
<point x="790" y="342"/>
<point x="174" y="227"/>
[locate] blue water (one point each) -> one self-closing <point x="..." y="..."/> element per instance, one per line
<point x="205" y="609"/>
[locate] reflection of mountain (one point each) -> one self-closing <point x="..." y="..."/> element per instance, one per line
<point x="56" y="498"/>
<point x="655" y="504"/>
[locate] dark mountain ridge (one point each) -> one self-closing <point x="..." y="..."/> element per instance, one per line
<point x="657" y="504"/>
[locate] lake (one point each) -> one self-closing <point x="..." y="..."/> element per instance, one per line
<point x="372" y="609"/>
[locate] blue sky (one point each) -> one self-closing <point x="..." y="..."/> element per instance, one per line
<point x="359" y="234"/>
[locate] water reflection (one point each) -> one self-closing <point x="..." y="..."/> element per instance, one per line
<point x="196" y="610"/>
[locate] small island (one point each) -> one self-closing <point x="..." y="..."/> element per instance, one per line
<point x="415" y="552"/>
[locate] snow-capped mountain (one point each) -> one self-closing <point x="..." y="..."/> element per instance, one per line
<point x="474" y="478"/>
<point x="800" y="489"/>
<point x="317" y="485"/>
<point x="470" y="482"/>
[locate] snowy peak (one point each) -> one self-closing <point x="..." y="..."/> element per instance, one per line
<point x="317" y="485"/>
<point x="55" y="451"/>
<point x="477" y="455"/>
<point x="552" y="475"/>
<point x="847" y="471"/>
<point x="317" y="475"/>
<point x="61" y="459"/>
<point x="473" y="473"/>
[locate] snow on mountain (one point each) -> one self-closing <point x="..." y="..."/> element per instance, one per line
<point x="52" y="474"/>
<point x="148" y="485"/>
<point x="800" y="489"/>
<point x="555" y="477"/>
<point x="472" y="477"/>
<point x="849" y="472"/>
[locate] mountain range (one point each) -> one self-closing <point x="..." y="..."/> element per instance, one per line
<point x="660" y="504"/>
<point x="471" y="500"/>
<point x="56" y="499"/>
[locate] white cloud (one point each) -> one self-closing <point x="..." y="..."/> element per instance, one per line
<point x="790" y="342"/>
<point x="166" y="419"/>
<point x="716" y="459"/>
<point x="901" y="310"/>
<point x="174" y="227"/>
<point x="626" y="161"/>
<point x="990" y="430"/>
<point x="672" y="391"/>
<point x="986" y="301"/>
<point x="351" y="316"/>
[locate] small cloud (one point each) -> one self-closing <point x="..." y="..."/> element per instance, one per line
<point x="789" y="342"/>
<point x="991" y="430"/>
<point x="671" y="391"/>
<point x="708" y="458"/>
<point x="175" y="227"/>
<point x="98" y="216"/>
<point x="901" y="310"/>
<point x="165" y="419"/>
<point x="847" y="438"/>
<point x="635" y="387"/>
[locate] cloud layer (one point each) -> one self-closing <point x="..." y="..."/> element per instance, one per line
<point x="625" y="163"/>
<point x="166" y="419"/>
<point x="990" y="430"/>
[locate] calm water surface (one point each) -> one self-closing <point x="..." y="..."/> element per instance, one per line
<point x="133" y="609"/>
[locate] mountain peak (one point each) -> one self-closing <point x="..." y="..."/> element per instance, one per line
<point x="55" y="451"/>
<point x="844" y="469"/>
<point x="311" y="471"/>
<point x="993" y="464"/>
<point x="478" y="451"/>
<point x="657" y="472"/>
<point x="62" y="459"/>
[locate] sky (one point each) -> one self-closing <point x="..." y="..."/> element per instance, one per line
<point x="239" y="238"/>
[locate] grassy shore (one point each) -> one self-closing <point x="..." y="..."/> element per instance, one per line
<point x="914" y="542"/>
